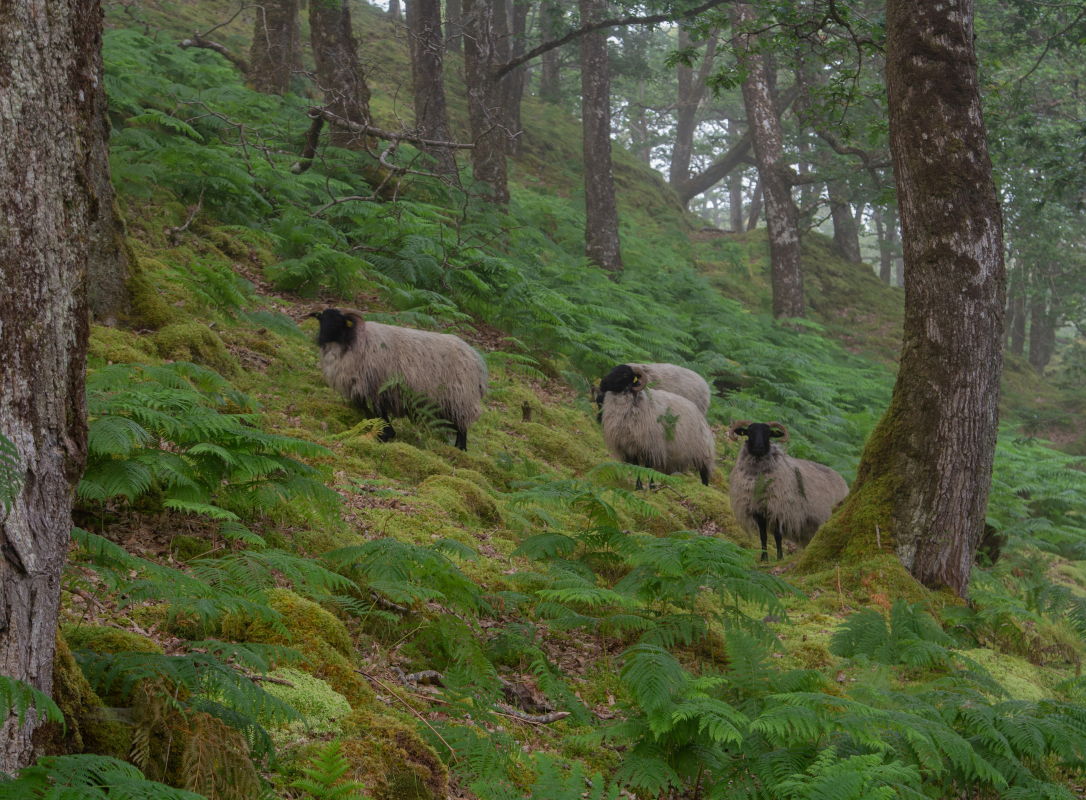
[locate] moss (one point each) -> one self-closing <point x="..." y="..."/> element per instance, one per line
<point x="314" y="699"/>
<point x="149" y="302"/>
<point x="196" y="342"/>
<point x="391" y="759"/>
<point x="110" y="345"/>
<point x="1022" y="680"/>
<point x="185" y="548"/>
<point x="321" y="638"/>
<point x="462" y="498"/>
<point x="241" y="244"/>
<point x="564" y="445"/>
<point x="102" y="639"/>
<point x="402" y="460"/>
<point x="86" y="728"/>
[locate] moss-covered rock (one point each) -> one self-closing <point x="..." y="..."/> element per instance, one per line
<point x="466" y="501"/>
<point x="320" y="705"/>
<point x="196" y="342"/>
<point x="391" y="759"/>
<point x="110" y="345"/>
<point x="151" y="294"/>
<point x="185" y="547"/>
<point x="103" y="639"/>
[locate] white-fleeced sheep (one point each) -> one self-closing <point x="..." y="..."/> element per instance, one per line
<point x="675" y="379"/>
<point x="652" y="427"/>
<point x="358" y="358"/>
<point x="771" y="491"/>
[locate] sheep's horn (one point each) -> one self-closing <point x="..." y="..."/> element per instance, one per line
<point x="743" y="423"/>
<point x="780" y="426"/>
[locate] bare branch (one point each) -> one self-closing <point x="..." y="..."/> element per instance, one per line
<point x="615" y="22"/>
<point x="370" y="130"/>
<point x="199" y="41"/>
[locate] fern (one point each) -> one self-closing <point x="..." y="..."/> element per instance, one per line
<point x="20" y="697"/>
<point x="324" y="780"/>
<point x="86" y="777"/>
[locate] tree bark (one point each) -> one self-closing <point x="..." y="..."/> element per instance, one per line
<point x="690" y="93"/>
<point x="484" y="100"/>
<point x="886" y="229"/>
<point x="454" y="27"/>
<point x="755" y="211"/>
<point x="338" y="72"/>
<point x="601" y="212"/>
<point x="551" y="15"/>
<point x="276" y="50"/>
<point x="925" y="474"/>
<point x="781" y="214"/>
<point x="1016" y="312"/>
<point x="510" y="26"/>
<point x="51" y="141"/>
<point x="846" y="233"/>
<point x="735" y="201"/>
<point x="428" y="79"/>
<point x="1042" y="331"/>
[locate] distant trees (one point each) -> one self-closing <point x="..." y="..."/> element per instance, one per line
<point x="925" y="474"/>
<point x="51" y="143"/>
<point x="276" y="51"/>
<point x="427" y="50"/>
<point x="339" y="73"/>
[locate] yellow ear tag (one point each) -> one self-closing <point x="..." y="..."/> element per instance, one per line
<point x="636" y="381"/>
<point x="350" y="323"/>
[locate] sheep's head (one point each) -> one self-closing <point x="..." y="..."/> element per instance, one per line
<point x="759" y="435"/>
<point x="622" y="378"/>
<point x="337" y="326"/>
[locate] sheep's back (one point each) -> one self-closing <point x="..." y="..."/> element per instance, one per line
<point x="439" y="366"/>
<point x="638" y="428"/>
<point x="677" y="380"/>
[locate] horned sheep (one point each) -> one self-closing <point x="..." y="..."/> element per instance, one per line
<point x="372" y="364"/>
<point x="675" y="379"/>
<point x="652" y="427"/>
<point x="772" y="491"/>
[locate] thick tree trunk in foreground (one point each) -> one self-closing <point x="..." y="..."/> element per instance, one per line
<point x="926" y="470"/>
<point x="276" y="50"/>
<point x="50" y="141"/>
<point x="428" y="78"/>
<point x="601" y="212"/>
<point x="484" y="101"/>
<point x="338" y="72"/>
<point x="781" y="214"/>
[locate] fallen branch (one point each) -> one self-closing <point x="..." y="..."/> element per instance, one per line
<point x="309" y="150"/>
<point x="173" y="233"/>
<point x="370" y="130"/>
<point x="409" y="707"/>
<point x="199" y="41"/>
<point x="535" y="719"/>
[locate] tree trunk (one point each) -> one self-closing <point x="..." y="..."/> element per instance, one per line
<point x="886" y="231"/>
<point x="338" y="72"/>
<point x="394" y="10"/>
<point x="846" y="234"/>
<point x="454" y="27"/>
<point x="511" y="86"/>
<point x="1042" y="332"/>
<point x="735" y="201"/>
<point x="755" y="211"/>
<point x="428" y="78"/>
<point x="601" y="212"/>
<point x="925" y="474"/>
<point x="484" y="101"/>
<point x="690" y="93"/>
<point x="781" y="214"/>
<point x="276" y="50"/>
<point x="640" y="136"/>
<point x="51" y="140"/>
<point x="551" y="16"/>
<point x="1016" y="308"/>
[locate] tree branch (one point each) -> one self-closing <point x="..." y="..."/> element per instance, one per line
<point x="504" y="69"/>
<point x="199" y="41"/>
<point x="370" y="130"/>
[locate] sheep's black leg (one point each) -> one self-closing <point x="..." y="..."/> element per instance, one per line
<point x="777" y="539"/>
<point x="388" y="433"/>
<point x="462" y="439"/>
<point x="639" y="486"/>
<point x="705" y="476"/>
<point x="760" y="519"/>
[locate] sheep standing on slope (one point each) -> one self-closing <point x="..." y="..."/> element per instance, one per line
<point x="653" y="428"/>
<point x="672" y="378"/>
<point x="359" y="357"/>
<point x="770" y="490"/>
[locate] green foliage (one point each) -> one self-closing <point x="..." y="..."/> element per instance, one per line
<point x="324" y="779"/>
<point x="10" y="477"/>
<point x="87" y="777"/>
<point x="182" y="432"/>
<point x="20" y="697"/>
<point x="913" y="638"/>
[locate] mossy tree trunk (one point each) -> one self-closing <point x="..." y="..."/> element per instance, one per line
<point x="51" y="143"/>
<point x="276" y="49"/>
<point x="781" y="214"/>
<point x="925" y="474"/>
<point x="339" y="74"/>
<point x="601" y="211"/>
<point x="428" y="79"/>
<point x="484" y="100"/>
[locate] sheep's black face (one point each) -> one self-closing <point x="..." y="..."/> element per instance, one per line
<point x="618" y="380"/>
<point x="335" y="326"/>
<point x="759" y="437"/>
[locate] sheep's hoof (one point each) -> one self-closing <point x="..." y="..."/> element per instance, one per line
<point x="765" y="556"/>
<point x="387" y="434"/>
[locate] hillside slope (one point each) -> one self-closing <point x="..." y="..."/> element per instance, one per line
<point x="257" y="574"/>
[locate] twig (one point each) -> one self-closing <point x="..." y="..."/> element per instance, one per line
<point x="173" y="233"/>
<point x="410" y="708"/>
<point x="878" y="536"/>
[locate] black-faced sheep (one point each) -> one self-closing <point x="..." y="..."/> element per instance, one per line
<point x="654" y="428"/>
<point x="770" y="490"/>
<point x="358" y="358"/>
<point x="672" y="378"/>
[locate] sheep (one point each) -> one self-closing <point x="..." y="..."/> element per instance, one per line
<point x="652" y="427"/>
<point x="358" y="358"/>
<point x="770" y="490"/>
<point x="672" y="378"/>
